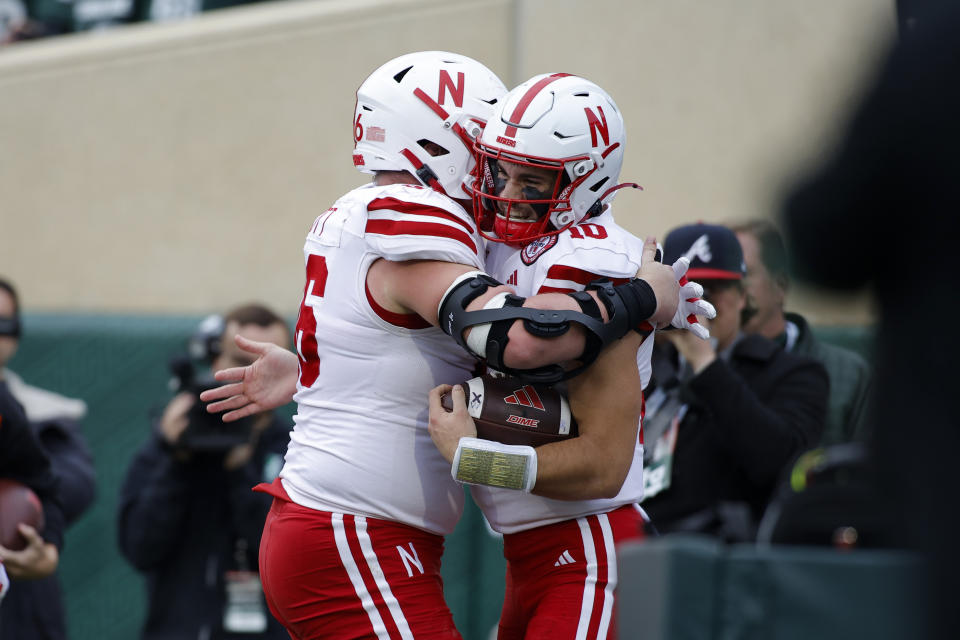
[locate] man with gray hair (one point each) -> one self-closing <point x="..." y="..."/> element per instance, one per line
<point x="766" y="283"/>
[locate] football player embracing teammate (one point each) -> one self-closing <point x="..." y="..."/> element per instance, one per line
<point x="548" y="163"/>
<point x="352" y="544"/>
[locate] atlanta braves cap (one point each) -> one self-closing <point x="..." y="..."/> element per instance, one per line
<point x="713" y="250"/>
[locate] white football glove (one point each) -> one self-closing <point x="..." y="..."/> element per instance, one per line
<point x="691" y="303"/>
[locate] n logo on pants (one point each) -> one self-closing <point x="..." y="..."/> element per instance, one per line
<point x="410" y="558"/>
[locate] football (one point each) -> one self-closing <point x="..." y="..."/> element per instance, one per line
<point x="18" y="503"/>
<point x="508" y="410"/>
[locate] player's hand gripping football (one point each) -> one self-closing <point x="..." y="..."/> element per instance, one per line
<point x="447" y="427"/>
<point x="691" y="303"/>
<point x="37" y="560"/>
<point x="268" y="383"/>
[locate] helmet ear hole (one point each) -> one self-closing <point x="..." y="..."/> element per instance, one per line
<point x="596" y="186"/>
<point x="432" y="148"/>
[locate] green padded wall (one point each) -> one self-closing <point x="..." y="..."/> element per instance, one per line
<point x="688" y="587"/>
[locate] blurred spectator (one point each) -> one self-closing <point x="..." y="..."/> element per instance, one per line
<point x="766" y="283"/>
<point x="168" y="10"/>
<point x="726" y="416"/>
<point x="22" y="459"/>
<point x="882" y="211"/>
<point x="188" y="519"/>
<point x="35" y="608"/>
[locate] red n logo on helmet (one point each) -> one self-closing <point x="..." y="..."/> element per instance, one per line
<point x="456" y="91"/>
<point x="597" y="127"/>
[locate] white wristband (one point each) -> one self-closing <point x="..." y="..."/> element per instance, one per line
<point x="494" y="464"/>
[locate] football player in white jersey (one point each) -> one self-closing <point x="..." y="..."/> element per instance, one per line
<point x="548" y="164"/>
<point x="352" y="545"/>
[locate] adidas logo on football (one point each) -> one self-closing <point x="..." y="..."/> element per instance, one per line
<point x="525" y="397"/>
<point x="565" y="558"/>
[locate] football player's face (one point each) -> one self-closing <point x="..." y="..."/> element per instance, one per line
<point x="520" y="182"/>
<point x="8" y="344"/>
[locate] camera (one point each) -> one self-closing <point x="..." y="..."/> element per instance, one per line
<point x="205" y="431"/>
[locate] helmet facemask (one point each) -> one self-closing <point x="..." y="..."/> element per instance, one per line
<point x="544" y="195"/>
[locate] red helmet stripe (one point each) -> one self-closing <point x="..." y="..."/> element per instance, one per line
<point x="610" y="149"/>
<point x="430" y="102"/>
<point x="528" y="98"/>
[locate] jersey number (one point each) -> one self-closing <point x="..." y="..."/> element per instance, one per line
<point x="307" y="321"/>
<point x="591" y="231"/>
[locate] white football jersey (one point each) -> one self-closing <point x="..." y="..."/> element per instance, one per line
<point x="565" y="263"/>
<point x="360" y="444"/>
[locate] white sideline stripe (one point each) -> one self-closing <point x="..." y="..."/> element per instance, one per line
<point x="371" y="557"/>
<point x="340" y="535"/>
<point x="590" y="584"/>
<point x="611" y="575"/>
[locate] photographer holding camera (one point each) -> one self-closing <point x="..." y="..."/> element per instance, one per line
<point x="188" y="519"/>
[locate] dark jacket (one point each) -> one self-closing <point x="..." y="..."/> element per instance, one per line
<point x="746" y="421"/>
<point x="23" y="459"/>
<point x="850" y="382"/>
<point x="180" y="523"/>
<point x="35" y="608"/>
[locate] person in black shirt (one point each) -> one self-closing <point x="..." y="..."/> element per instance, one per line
<point x="35" y="608"/>
<point x="725" y="416"/>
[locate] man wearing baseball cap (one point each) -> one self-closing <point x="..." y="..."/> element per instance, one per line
<point x="725" y="416"/>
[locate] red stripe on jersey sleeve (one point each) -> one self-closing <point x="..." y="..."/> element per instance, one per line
<point x="580" y="276"/>
<point x="563" y="272"/>
<point x="405" y="228"/>
<point x="401" y="206"/>
<point x="406" y="320"/>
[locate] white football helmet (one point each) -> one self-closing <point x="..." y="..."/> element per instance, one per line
<point x="564" y="128"/>
<point x="421" y="98"/>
